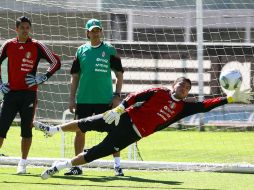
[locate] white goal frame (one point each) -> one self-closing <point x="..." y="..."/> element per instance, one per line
<point x="144" y="165"/>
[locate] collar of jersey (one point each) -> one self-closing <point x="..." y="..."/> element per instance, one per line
<point x="97" y="45"/>
<point x="28" y="40"/>
<point x="174" y="98"/>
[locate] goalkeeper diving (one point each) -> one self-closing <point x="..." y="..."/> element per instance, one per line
<point x="138" y="116"/>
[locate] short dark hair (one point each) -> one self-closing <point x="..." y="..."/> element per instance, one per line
<point x="23" y="19"/>
<point x="180" y="79"/>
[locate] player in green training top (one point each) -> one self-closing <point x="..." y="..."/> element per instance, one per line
<point x="92" y="86"/>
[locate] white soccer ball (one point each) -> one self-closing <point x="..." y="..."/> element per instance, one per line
<point x="231" y="80"/>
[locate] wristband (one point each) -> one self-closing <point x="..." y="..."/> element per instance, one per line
<point x="230" y="99"/>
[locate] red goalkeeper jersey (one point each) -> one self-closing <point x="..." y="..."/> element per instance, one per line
<point x="23" y="58"/>
<point x="155" y="109"/>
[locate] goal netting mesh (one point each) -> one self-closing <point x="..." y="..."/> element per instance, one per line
<point x="157" y="41"/>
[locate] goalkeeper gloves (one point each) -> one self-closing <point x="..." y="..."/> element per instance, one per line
<point x="114" y="114"/>
<point x="244" y="96"/>
<point x="4" y="88"/>
<point x="32" y="80"/>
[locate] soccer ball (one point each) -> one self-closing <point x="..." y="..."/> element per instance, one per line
<point x="231" y="80"/>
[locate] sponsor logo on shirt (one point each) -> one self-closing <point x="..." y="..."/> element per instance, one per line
<point x="101" y="65"/>
<point x="100" y="70"/>
<point x="24" y="60"/>
<point x="167" y="111"/>
<point x="27" y="62"/>
<point x="27" y="65"/>
<point x="101" y="60"/>
<point x="23" y="69"/>
<point x="103" y="54"/>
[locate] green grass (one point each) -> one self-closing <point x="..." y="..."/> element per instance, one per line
<point x="214" y="147"/>
<point x="173" y="146"/>
<point x="179" y="146"/>
<point x="41" y="146"/>
<point x="95" y="179"/>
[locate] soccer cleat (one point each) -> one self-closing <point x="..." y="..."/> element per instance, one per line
<point x="74" y="171"/>
<point x="118" y="171"/>
<point x="43" y="127"/>
<point x="49" y="172"/>
<point x="21" y="169"/>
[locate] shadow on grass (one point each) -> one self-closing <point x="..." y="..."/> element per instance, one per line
<point x="101" y="179"/>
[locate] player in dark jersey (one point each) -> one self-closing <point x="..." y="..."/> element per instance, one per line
<point x="19" y="91"/>
<point x="138" y="116"/>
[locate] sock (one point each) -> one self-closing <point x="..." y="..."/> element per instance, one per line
<point x="55" y="129"/>
<point x="59" y="128"/>
<point x="63" y="164"/>
<point x="22" y="161"/>
<point x="117" y="162"/>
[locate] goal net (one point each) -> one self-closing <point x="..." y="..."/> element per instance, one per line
<point x="158" y="42"/>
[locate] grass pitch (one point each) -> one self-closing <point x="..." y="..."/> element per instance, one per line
<point x="95" y="179"/>
<point x="179" y="146"/>
<point x="171" y="146"/>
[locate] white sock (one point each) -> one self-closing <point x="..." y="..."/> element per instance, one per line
<point x="22" y="161"/>
<point x="55" y="129"/>
<point x="59" y="128"/>
<point x="117" y="162"/>
<point x="63" y="164"/>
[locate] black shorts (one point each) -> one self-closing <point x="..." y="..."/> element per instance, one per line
<point x="118" y="137"/>
<point x="22" y="102"/>
<point x="86" y="110"/>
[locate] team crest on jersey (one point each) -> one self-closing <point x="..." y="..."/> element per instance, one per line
<point x="172" y="105"/>
<point x="103" y="54"/>
<point x="28" y="55"/>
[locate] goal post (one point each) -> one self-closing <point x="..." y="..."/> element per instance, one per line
<point x="157" y="41"/>
<point x="144" y="165"/>
<point x="133" y="151"/>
